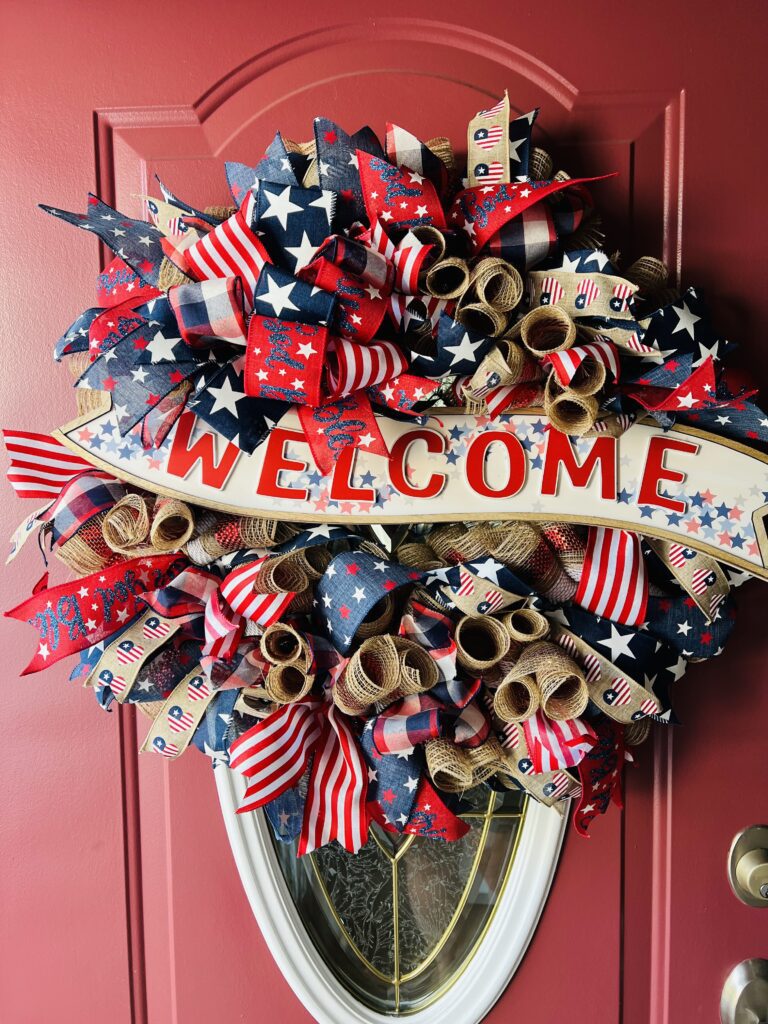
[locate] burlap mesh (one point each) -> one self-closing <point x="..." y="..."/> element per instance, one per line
<point x="589" y="377"/>
<point x="87" y="551"/>
<point x="429" y="235"/>
<point x="481" y="642"/>
<point x="457" y="769"/>
<point x="281" y="644"/>
<point x="637" y="732"/>
<point x="172" y="525"/>
<point x="482" y="318"/>
<point x="417" y="554"/>
<point x="170" y="275"/>
<point x="568" y="411"/>
<point x="497" y="283"/>
<point x="418" y="669"/>
<point x="649" y="274"/>
<point x="125" y="526"/>
<point x="517" y="697"/>
<point x="89" y="401"/>
<point x="372" y="674"/>
<point x="525" y="625"/>
<point x="287" y="683"/>
<point x="540" y="165"/>
<point x="293" y="571"/>
<point x="218" y="534"/>
<point x="563" y="688"/>
<point x="448" y="278"/>
<point x="455" y="543"/>
<point x="378" y="619"/>
<point x="547" y="329"/>
<point x="443" y="150"/>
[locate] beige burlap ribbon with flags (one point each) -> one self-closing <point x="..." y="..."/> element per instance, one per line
<point x="123" y="660"/>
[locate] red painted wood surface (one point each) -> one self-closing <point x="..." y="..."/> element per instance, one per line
<point x="120" y="900"/>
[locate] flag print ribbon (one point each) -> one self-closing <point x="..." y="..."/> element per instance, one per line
<point x="83" y="612"/>
<point x="614" y="582"/>
<point x="176" y="722"/>
<point x="274" y="754"/>
<point x="699" y="575"/>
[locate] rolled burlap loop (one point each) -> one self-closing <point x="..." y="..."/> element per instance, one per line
<point x="481" y="642"/>
<point x="649" y="274"/>
<point x="457" y="769"/>
<point x="455" y="543"/>
<point x="449" y="766"/>
<point x="589" y="377"/>
<point x="477" y="316"/>
<point x="293" y="571"/>
<point x="563" y="688"/>
<point x="448" y="278"/>
<point x="281" y="644"/>
<point x="429" y="235"/>
<point x="522" y="547"/>
<point x="88" y="400"/>
<point x="372" y="674"/>
<point x="125" y="526"/>
<point x="547" y="329"/>
<point x="217" y="534"/>
<point x="525" y="625"/>
<point x="418" y="555"/>
<point x="567" y="411"/>
<point x="517" y="697"/>
<point x="540" y="165"/>
<point x="288" y="683"/>
<point x="378" y="619"/>
<point x="418" y="670"/>
<point x="497" y="283"/>
<point x="172" y="525"/>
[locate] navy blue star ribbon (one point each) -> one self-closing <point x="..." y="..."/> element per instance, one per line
<point x="278" y="164"/>
<point x="292" y="221"/>
<point x="75" y="338"/>
<point x="351" y="586"/>
<point x="134" y="241"/>
<point x="456" y="350"/>
<point x="222" y="403"/>
<point x="337" y="166"/>
<point x="520" y="145"/>
<point x="280" y="294"/>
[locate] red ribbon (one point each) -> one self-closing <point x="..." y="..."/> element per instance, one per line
<point x="85" y="611"/>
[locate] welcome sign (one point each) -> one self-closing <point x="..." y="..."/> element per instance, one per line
<point x="704" y="491"/>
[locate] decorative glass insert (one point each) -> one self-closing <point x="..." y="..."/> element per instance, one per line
<point x="398" y="922"/>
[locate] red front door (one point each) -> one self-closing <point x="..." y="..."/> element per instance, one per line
<point x="120" y="898"/>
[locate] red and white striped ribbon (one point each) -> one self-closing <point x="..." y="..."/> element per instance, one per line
<point x="224" y="629"/>
<point x="362" y="366"/>
<point x="566" y="363"/>
<point x="409" y="260"/>
<point x="554" y="745"/>
<point x="40" y="465"/>
<point x="273" y="754"/>
<point x="230" y="250"/>
<point x="237" y="590"/>
<point x="614" y="581"/>
<point x="336" y="807"/>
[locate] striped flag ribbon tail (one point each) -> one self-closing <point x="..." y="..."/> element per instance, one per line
<point x="614" y="581"/>
<point x="336" y="800"/>
<point x="40" y="465"/>
<point x="273" y="754"/>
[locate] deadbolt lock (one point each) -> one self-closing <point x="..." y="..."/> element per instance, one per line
<point x="748" y="866"/>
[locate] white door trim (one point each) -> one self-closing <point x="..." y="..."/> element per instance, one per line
<point x="486" y="975"/>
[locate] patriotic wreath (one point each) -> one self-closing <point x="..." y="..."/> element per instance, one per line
<point x="363" y="673"/>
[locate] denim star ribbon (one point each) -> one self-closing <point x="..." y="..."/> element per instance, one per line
<point x="353" y="583"/>
<point x="337" y="165"/>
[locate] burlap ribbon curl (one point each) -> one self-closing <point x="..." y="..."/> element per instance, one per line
<point x="289" y="677"/>
<point x="382" y="669"/>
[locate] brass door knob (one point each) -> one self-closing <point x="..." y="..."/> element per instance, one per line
<point x="748" y="866"/>
<point x="745" y="994"/>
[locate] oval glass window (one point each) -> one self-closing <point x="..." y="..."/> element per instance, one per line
<point x="408" y="922"/>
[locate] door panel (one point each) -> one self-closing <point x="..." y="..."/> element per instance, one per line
<point x="117" y="874"/>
